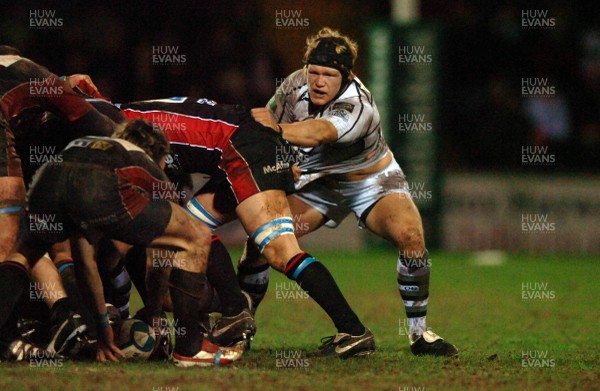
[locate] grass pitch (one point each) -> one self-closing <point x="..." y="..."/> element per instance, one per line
<point x="529" y="323"/>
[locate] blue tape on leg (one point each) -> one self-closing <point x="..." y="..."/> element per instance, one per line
<point x="303" y="266"/>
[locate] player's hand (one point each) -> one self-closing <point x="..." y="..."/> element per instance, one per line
<point x="296" y="171"/>
<point x="107" y="350"/>
<point x="74" y="80"/>
<point x="263" y="116"/>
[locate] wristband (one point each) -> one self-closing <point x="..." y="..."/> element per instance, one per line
<point x="103" y="320"/>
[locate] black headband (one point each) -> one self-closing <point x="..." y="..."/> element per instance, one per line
<point x="325" y="54"/>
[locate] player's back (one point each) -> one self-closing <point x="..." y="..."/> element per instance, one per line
<point x="18" y="71"/>
<point x="106" y="152"/>
<point x="195" y="122"/>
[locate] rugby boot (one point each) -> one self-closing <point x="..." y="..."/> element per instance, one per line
<point x="431" y="344"/>
<point x="344" y="345"/>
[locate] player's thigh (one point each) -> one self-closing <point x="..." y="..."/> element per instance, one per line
<point x="183" y="231"/>
<point x="261" y="208"/>
<point x="396" y="218"/>
<point x="306" y="218"/>
<point x="12" y="188"/>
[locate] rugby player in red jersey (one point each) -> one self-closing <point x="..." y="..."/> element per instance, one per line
<point x="249" y="180"/>
<point x="27" y="87"/>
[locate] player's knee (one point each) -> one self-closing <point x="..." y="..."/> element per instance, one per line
<point x="277" y="262"/>
<point x="197" y="244"/>
<point x="251" y="257"/>
<point x="410" y="239"/>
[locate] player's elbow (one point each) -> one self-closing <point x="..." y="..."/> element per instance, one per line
<point x="327" y="133"/>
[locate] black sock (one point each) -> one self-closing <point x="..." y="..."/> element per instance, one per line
<point x="315" y="279"/>
<point x="253" y="280"/>
<point x="135" y="263"/>
<point x="60" y="310"/>
<point x="191" y="295"/>
<point x="9" y="332"/>
<point x="118" y="289"/>
<point x="222" y="277"/>
<point x="74" y="300"/>
<point x="13" y="281"/>
<point x="69" y="281"/>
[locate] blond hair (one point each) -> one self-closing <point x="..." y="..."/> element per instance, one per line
<point x="313" y="41"/>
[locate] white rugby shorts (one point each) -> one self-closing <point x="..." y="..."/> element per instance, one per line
<point x="336" y="199"/>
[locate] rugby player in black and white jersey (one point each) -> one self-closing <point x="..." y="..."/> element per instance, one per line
<point x="347" y="167"/>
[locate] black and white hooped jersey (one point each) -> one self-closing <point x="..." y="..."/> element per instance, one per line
<point x="354" y="114"/>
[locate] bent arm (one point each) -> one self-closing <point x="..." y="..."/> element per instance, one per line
<point x="309" y="133"/>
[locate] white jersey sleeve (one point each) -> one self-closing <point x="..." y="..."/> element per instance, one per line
<point x="360" y="141"/>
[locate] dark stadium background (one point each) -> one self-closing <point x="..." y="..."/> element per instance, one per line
<point x="235" y="53"/>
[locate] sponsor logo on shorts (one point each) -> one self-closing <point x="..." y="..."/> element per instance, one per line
<point x="276" y="168"/>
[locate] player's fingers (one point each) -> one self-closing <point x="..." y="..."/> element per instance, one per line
<point x="117" y="351"/>
<point x="110" y="355"/>
<point x="259" y="112"/>
<point x="90" y="82"/>
<point x="296" y="171"/>
<point x="100" y="355"/>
